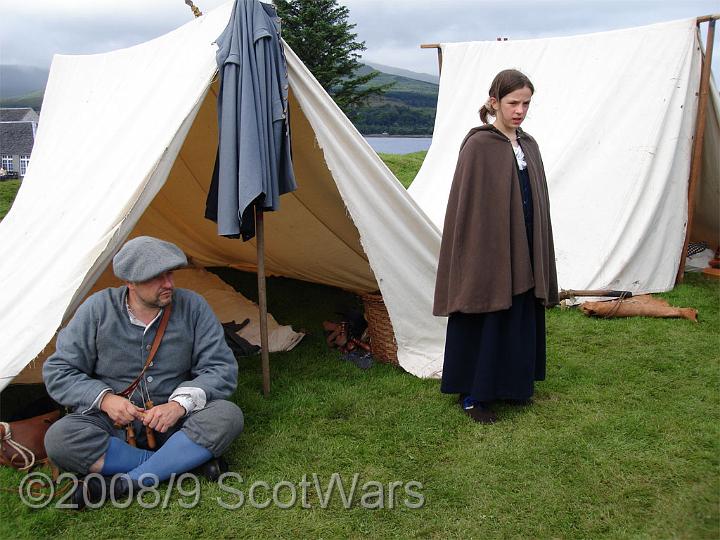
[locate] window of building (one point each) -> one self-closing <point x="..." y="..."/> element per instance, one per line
<point x="6" y="162"/>
<point x="24" y="162"/>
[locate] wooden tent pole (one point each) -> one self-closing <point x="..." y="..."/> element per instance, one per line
<point x="262" y="291"/>
<point x="439" y="53"/>
<point x="697" y="151"/>
<point x="262" y="298"/>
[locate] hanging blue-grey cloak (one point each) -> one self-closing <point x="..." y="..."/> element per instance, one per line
<point x="254" y="164"/>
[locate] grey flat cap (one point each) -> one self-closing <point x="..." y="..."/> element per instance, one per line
<point x="145" y="257"/>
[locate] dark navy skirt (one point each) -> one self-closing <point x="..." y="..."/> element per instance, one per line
<point x="496" y="355"/>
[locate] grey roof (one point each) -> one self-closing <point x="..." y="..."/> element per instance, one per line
<point x="16" y="138"/>
<point x="18" y="114"/>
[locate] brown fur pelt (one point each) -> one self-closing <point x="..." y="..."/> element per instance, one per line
<point x="638" y="306"/>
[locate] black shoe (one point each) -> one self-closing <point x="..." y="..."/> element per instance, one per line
<point x="95" y="489"/>
<point x="212" y="469"/>
<point x="480" y="413"/>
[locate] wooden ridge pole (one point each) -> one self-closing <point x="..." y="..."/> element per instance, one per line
<point x="193" y="8"/>
<point x="439" y="53"/>
<point x="698" y="139"/>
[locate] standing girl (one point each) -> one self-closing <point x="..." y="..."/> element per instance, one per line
<point x="497" y="260"/>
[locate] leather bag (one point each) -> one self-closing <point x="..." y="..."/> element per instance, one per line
<point x="22" y="443"/>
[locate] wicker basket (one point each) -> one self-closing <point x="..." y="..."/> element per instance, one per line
<point x="382" y="336"/>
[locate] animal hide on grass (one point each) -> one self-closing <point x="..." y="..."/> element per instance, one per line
<point x="638" y="306"/>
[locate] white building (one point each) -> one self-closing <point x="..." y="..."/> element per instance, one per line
<point x="17" y="136"/>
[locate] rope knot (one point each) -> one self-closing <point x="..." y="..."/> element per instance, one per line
<point x="23" y="452"/>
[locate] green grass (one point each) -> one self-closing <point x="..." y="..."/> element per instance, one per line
<point x="622" y="442"/>
<point x="8" y="190"/>
<point x="404" y="166"/>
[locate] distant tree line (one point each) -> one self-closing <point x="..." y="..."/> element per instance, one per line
<point x="394" y="120"/>
<point x="413" y="99"/>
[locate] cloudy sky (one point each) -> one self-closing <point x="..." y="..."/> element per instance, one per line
<point x="34" y="30"/>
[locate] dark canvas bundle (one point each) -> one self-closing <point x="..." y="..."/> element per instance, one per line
<point x="238" y="345"/>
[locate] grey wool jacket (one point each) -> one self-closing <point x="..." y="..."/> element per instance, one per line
<point x="100" y="349"/>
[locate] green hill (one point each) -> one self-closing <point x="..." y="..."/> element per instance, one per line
<point x="404" y="72"/>
<point x="408" y="108"/>
<point x="32" y="99"/>
<point x="17" y="80"/>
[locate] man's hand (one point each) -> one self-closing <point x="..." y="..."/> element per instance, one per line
<point x="162" y="417"/>
<point x="120" y="410"/>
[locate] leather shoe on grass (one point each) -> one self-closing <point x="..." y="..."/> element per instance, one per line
<point x="480" y="413"/>
<point x="95" y="489"/>
<point x="212" y="469"/>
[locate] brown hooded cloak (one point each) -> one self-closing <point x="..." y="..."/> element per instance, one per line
<point x="484" y="256"/>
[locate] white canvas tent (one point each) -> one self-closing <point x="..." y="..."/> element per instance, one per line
<point x="127" y="143"/>
<point x="614" y="115"/>
<point x="126" y="146"/>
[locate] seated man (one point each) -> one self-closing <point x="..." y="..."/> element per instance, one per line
<point x="102" y="352"/>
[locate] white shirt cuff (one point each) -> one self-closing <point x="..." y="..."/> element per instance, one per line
<point x="191" y="398"/>
<point x="95" y="406"/>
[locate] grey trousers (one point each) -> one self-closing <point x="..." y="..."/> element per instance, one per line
<point x="76" y="441"/>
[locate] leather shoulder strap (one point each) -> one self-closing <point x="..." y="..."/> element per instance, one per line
<point x="155" y="345"/>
